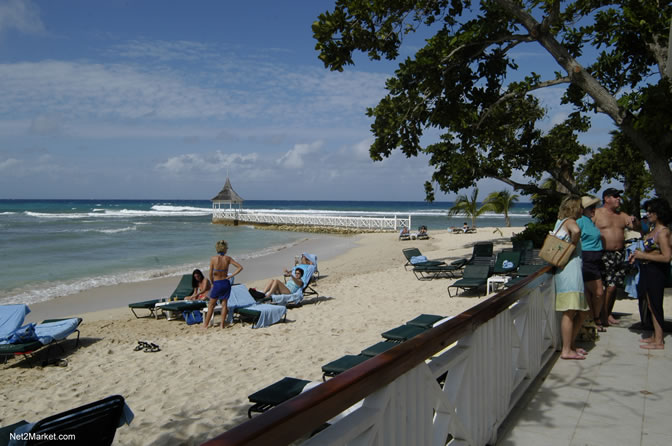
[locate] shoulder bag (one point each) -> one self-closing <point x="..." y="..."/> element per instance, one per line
<point x="556" y="251"/>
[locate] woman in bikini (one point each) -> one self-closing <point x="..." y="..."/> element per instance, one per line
<point x="201" y="286"/>
<point x="294" y="284"/>
<point x="654" y="266"/>
<point x="221" y="284"/>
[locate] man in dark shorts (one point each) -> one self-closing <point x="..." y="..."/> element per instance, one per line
<point x="612" y="223"/>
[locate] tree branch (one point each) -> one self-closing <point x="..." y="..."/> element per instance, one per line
<point x="517" y="38"/>
<point x="507" y="96"/>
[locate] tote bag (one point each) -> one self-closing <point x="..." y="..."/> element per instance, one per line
<point x="556" y="251"/>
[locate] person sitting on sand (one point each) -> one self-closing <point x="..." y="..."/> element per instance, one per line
<point x="304" y="260"/>
<point x="465" y="227"/>
<point x="293" y="285"/>
<point x="201" y="286"/>
<point x="221" y="283"/>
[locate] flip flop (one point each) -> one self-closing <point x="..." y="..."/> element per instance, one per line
<point x="152" y="348"/>
<point x="573" y="357"/>
<point x="141" y="346"/>
<point x="600" y="328"/>
<point x="652" y="346"/>
<point x="581" y="352"/>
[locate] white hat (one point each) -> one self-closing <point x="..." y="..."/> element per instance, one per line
<point x="588" y="201"/>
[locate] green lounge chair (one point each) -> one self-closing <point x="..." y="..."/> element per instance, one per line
<point x="481" y="254"/>
<point x="474" y="276"/>
<point x="403" y="333"/>
<point x="275" y="394"/>
<point x="378" y="348"/>
<point x="409" y="253"/>
<point x="523" y="272"/>
<point x="507" y="256"/>
<point x="423" y="272"/>
<point x="184" y="289"/>
<point x="341" y="365"/>
<point x="94" y="423"/>
<point x="425" y="320"/>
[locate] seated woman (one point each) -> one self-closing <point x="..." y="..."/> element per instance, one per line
<point x="304" y="260"/>
<point x="293" y="285"/>
<point x="201" y="286"/>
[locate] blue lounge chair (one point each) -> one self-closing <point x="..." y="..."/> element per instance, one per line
<point x="18" y="339"/>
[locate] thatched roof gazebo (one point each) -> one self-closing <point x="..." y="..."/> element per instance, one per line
<point x="227" y="195"/>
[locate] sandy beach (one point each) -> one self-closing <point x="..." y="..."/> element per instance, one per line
<point x="196" y="387"/>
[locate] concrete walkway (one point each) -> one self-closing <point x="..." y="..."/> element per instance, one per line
<point x="619" y="395"/>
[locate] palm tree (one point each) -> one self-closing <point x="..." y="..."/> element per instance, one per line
<point x="501" y="203"/>
<point x="469" y="207"/>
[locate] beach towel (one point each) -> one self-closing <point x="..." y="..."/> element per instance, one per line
<point x="631" y="280"/>
<point x="11" y="318"/>
<point x="418" y="259"/>
<point x="507" y="264"/>
<point x="284" y="299"/>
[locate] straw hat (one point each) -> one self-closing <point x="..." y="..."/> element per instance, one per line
<point x="588" y="201"/>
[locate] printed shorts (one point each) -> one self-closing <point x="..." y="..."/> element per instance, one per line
<point x="613" y="268"/>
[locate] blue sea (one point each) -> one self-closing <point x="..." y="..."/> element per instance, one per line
<point x="52" y="248"/>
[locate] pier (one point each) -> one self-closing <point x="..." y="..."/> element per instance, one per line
<point x="247" y="216"/>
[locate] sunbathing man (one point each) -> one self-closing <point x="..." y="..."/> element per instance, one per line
<point x="612" y="223"/>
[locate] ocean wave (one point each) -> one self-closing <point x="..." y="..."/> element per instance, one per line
<point x="7" y="213"/>
<point x="121" y="213"/>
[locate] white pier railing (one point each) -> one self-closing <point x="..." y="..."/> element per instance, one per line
<point x="452" y="385"/>
<point x="371" y="223"/>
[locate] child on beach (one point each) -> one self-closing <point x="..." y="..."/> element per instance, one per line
<point x="221" y="285"/>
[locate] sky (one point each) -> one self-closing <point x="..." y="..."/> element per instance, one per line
<point x="157" y="99"/>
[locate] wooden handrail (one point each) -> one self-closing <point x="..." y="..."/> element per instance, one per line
<point x="309" y="410"/>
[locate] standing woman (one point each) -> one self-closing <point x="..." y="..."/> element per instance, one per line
<point x="569" y="295"/>
<point x="591" y="259"/>
<point x="654" y="265"/>
<point x="221" y="285"/>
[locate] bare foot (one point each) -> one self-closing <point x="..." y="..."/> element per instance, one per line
<point x="652" y="346"/>
<point x="227" y="325"/>
<point x="581" y="351"/>
<point x="612" y="320"/>
<point x="572" y="355"/>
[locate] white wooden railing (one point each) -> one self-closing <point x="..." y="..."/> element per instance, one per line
<point x="373" y="223"/>
<point x="489" y="355"/>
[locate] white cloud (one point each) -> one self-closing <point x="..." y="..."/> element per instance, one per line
<point x="9" y="164"/>
<point x="214" y="162"/>
<point x="46" y="125"/>
<point x="295" y="158"/>
<point x="20" y="15"/>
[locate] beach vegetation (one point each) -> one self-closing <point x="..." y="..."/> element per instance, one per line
<point x="469" y="207"/>
<point x="501" y="203"/>
<point x="611" y="57"/>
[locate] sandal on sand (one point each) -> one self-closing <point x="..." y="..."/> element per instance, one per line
<point x="141" y="346"/>
<point x="600" y="328"/>
<point x="152" y="348"/>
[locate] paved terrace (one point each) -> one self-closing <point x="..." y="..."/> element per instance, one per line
<point x="619" y="395"/>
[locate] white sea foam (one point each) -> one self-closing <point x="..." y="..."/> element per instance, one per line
<point x="7" y="213"/>
<point x="124" y="213"/>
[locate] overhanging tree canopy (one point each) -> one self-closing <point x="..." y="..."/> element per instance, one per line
<point x="458" y="81"/>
